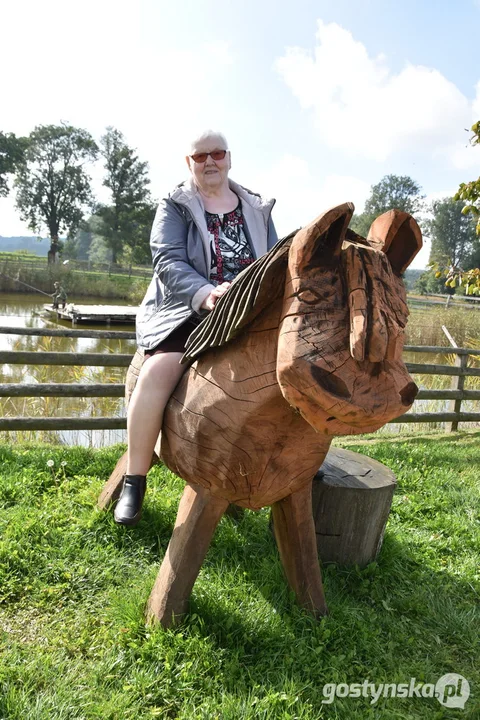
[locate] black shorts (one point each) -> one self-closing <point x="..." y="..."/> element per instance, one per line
<point x="175" y="342"/>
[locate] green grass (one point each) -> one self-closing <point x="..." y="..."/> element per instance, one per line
<point x="24" y="257"/>
<point x="425" y="326"/>
<point x="73" y="586"/>
<point x="40" y="261"/>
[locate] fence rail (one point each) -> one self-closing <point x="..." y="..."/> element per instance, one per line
<point x="447" y="301"/>
<point x="453" y="416"/>
<point x="453" y="298"/>
<point x="118" y="390"/>
<point x="61" y="332"/>
<point x="30" y="357"/>
<point x="62" y="390"/>
<point x="63" y="423"/>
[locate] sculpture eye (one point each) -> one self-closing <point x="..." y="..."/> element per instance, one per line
<point x="308" y="296"/>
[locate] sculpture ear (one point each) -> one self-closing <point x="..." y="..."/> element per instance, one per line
<point x="319" y="244"/>
<point x="398" y="235"/>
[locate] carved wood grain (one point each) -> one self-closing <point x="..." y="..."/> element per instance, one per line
<point x="296" y="541"/>
<point x="198" y="516"/>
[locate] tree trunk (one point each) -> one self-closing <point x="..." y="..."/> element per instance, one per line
<point x="52" y="253"/>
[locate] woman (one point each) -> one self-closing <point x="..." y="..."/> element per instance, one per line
<point x="203" y="235"/>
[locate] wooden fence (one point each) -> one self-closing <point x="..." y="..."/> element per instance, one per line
<point x="449" y="300"/>
<point x="455" y="395"/>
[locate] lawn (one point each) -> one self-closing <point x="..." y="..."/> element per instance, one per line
<point x="73" y="586"/>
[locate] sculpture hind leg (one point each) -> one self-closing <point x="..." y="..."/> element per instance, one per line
<point x="198" y="515"/>
<point x="296" y="540"/>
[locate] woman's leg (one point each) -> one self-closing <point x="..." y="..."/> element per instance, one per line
<point x="157" y="380"/>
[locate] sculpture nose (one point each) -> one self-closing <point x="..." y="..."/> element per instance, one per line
<point x="409" y="393"/>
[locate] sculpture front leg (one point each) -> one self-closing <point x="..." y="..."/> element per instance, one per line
<point x="198" y="515"/>
<point x="113" y="487"/>
<point x="296" y="540"/>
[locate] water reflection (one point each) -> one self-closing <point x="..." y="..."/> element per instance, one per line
<point x="22" y="310"/>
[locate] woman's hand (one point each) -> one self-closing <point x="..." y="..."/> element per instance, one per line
<point x="210" y="300"/>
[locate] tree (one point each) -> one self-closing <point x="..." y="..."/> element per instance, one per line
<point x="452" y="233"/>
<point x="98" y="251"/>
<point x="137" y="250"/>
<point x="454" y="246"/>
<point x="429" y="283"/>
<point x="361" y="222"/>
<point x="123" y="219"/>
<point x="12" y="154"/>
<point x="395" y="192"/>
<point x="77" y="247"/>
<point x="53" y="188"/>
<point x="470" y="192"/>
<point x="392" y="192"/>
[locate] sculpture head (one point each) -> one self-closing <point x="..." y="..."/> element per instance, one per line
<point x="342" y="327"/>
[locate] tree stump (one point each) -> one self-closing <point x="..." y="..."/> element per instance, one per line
<point x="351" y="499"/>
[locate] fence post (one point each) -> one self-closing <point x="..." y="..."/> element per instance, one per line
<point x="458" y="382"/>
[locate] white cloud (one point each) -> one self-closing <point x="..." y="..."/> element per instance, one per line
<point x="476" y="102"/>
<point x="463" y="154"/>
<point x="10" y="223"/>
<point x="99" y="73"/>
<point x="439" y="195"/>
<point x="421" y="260"/>
<point x="364" y="109"/>
<point x="95" y="68"/>
<point x="301" y="196"/>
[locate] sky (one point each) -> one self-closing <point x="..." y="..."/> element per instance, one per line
<point x="318" y="99"/>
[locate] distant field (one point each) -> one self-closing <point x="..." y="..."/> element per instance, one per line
<point x="425" y="326"/>
<point x="23" y="257"/>
<point x="83" y="265"/>
<point x="79" y="281"/>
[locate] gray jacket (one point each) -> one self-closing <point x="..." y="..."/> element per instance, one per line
<point x="181" y="257"/>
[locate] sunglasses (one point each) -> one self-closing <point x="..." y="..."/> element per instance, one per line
<point x="215" y="155"/>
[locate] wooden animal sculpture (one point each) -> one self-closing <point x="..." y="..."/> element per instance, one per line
<point x="306" y="345"/>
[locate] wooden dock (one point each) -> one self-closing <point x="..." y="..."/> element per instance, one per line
<point x="105" y="314"/>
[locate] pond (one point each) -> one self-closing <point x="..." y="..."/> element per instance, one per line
<point x="23" y="310"/>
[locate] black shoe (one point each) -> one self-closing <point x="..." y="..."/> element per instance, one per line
<point x="128" y="509"/>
